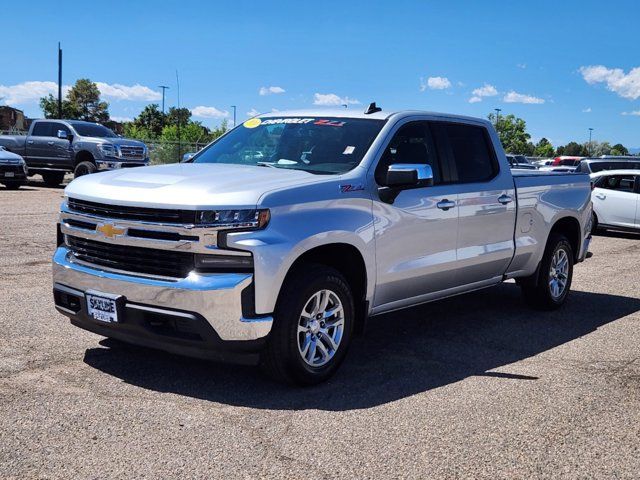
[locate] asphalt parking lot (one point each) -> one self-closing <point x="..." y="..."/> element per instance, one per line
<point x="475" y="386"/>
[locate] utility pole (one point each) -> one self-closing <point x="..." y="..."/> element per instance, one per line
<point x="234" y="115"/>
<point x="59" y="81"/>
<point x="590" y="130"/>
<point x="179" y="139"/>
<point x="163" y="87"/>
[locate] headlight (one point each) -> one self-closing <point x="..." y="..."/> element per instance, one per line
<point x="224" y="263"/>
<point x="109" y="150"/>
<point x="246" y="219"/>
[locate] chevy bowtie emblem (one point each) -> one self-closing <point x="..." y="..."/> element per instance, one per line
<point x="109" y="230"/>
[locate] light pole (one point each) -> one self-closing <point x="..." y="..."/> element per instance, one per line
<point x="59" y="81"/>
<point x="590" y="130"/>
<point x="234" y="115"/>
<point x="498" y="110"/>
<point x="163" y="87"/>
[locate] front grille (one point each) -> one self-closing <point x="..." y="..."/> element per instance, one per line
<point x="11" y="168"/>
<point x="132" y="152"/>
<point x="155" y="215"/>
<point x="147" y="261"/>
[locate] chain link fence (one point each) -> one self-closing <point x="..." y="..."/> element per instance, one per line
<point x="162" y="151"/>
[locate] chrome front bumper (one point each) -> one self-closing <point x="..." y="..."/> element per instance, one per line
<point x="216" y="297"/>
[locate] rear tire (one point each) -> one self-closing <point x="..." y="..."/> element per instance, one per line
<point x="554" y="275"/>
<point x="84" y="168"/>
<point x="53" y="179"/>
<point x="311" y="329"/>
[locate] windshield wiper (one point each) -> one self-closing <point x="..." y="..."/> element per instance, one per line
<point x="266" y="164"/>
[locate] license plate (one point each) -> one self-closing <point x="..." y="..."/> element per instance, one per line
<point x="102" y="307"/>
<point x="9" y="174"/>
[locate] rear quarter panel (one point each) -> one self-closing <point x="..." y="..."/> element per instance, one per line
<point x="543" y="199"/>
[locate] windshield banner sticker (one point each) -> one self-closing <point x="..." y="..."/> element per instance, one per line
<point x="252" y="123"/>
<point x="277" y="121"/>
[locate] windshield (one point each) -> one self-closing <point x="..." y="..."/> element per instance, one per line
<point x="93" y="130"/>
<point x="316" y="145"/>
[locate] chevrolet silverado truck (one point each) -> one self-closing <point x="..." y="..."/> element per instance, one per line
<point x="277" y="241"/>
<point x="54" y="147"/>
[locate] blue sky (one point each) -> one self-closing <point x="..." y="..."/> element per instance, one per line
<point x="563" y="66"/>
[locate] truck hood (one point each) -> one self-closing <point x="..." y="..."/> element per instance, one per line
<point x="186" y="185"/>
<point x="9" y="157"/>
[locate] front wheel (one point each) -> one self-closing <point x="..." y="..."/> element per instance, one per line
<point x="312" y="328"/>
<point x="84" y="168"/>
<point x="554" y="276"/>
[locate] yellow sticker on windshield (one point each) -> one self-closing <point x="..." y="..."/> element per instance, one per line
<point x="252" y="123"/>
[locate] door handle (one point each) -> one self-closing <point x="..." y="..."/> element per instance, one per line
<point x="445" y="204"/>
<point x="504" y="199"/>
<point x="30" y="142"/>
<point x="601" y="196"/>
<point x="49" y="143"/>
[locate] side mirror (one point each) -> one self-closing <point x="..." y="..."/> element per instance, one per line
<point x="62" y="134"/>
<point x="187" y="156"/>
<point x="409" y="175"/>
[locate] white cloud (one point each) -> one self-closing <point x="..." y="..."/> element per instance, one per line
<point x="121" y="119"/>
<point x="634" y="113"/>
<point x="270" y="90"/>
<point x="332" y="100"/>
<point x="485" y="91"/>
<point x="32" y="91"/>
<point x="253" y="112"/>
<point x="626" y="85"/>
<point x="435" y="83"/>
<point x="29" y="92"/>
<point x="208" y="112"/>
<point x="586" y="110"/>
<point x="515" y="97"/>
<point x="135" y="92"/>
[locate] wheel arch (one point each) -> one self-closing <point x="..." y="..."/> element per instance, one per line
<point x="83" y="156"/>
<point x="570" y="228"/>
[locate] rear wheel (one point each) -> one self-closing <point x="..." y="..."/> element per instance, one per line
<point x="554" y="275"/>
<point x="84" y="168"/>
<point x="312" y="328"/>
<point x="53" y="179"/>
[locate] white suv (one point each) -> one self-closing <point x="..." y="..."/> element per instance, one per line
<point x="616" y="199"/>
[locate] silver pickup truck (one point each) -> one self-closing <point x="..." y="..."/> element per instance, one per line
<point x="277" y="241"/>
<point x="54" y="147"/>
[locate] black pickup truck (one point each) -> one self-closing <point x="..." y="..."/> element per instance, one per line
<point x="54" y="147"/>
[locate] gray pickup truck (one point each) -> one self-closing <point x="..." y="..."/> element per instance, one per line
<point x="54" y="147"/>
<point x="278" y="240"/>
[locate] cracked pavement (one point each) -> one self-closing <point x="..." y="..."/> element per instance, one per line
<point x="474" y="386"/>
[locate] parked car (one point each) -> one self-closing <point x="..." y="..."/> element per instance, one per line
<point x="592" y="165"/>
<point x="54" y="147"/>
<point x="566" y="161"/>
<point x="520" y="161"/>
<point x="13" y="170"/>
<point x="276" y="242"/>
<point x="616" y="199"/>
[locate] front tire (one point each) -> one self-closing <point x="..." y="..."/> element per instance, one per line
<point x="312" y="329"/>
<point x="12" y="186"/>
<point x="84" y="168"/>
<point x="554" y="275"/>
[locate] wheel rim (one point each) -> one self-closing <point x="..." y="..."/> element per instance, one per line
<point x="559" y="273"/>
<point x="320" y="328"/>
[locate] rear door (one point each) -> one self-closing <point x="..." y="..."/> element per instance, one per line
<point x="486" y="202"/>
<point x="38" y="149"/>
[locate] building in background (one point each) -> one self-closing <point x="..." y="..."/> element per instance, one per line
<point x="12" y="119"/>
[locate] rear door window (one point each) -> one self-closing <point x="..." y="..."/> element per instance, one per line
<point x="470" y="149"/>
<point x="42" y="129"/>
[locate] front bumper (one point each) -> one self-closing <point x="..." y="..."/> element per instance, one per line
<point x="214" y="301"/>
<point x="12" y="173"/>
<point x="113" y="164"/>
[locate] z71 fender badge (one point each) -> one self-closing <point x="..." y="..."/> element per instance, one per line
<point x="351" y="188"/>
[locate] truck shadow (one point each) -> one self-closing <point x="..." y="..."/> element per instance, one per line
<point x="399" y="355"/>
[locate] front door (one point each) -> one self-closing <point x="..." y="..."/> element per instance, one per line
<point x="416" y="232"/>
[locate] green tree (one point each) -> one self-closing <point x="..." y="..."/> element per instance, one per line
<point x="574" y="149"/>
<point x="513" y="133"/>
<point x="619" y="149"/>
<point x="544" y="148"/>
<point x="82" y="102"/>
<point x="178" y="116"/>
<point x="150" y="122"/>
